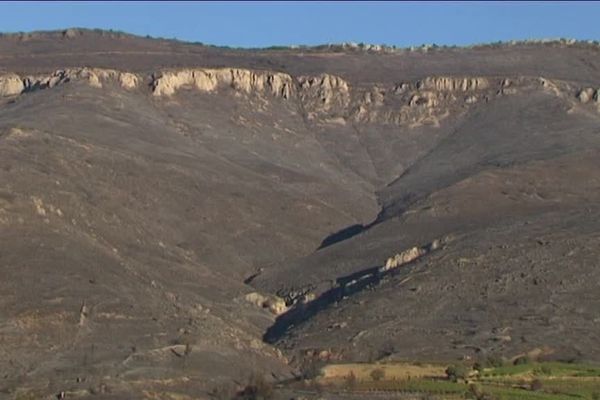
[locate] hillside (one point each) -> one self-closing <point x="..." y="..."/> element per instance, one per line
<point x="175" y="216"/>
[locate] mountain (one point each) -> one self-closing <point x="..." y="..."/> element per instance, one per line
<point x="175" y="216"/>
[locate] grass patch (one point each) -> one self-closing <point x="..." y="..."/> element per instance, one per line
<point x="556" y="369"/>
<point x="524" y="381"/>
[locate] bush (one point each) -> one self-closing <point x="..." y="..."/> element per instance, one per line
<point x="311" y="368"/>
<point x="257" y="389"/>
<point x="476" y="391"/>
<point x="377" y="374"/>
<point x="223" y="392"/>
<point x="351" y="381"/>
<point x="536" y="385"/>
<point x="522" y="360"/>
<point x="543" y="370"/>
<point x="456" y="372"/>
<point x="494" y="361"/>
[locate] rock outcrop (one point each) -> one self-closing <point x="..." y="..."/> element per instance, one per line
<point x="208" y="80"/>
<point x="588" y="95"/>
<point x="426" y="99"/>
<point x="450" y="84"/>
<point x="128" y="80"/>
<point x="324" y="98"/>
<point x="274" y="304"/>
<point x="402" y="258"/>
<point x="11" y="85"/>
<point x="409" y="255"/>
<point x="324" y="94"/>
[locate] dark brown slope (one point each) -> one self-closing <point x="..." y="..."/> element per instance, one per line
<point x="136" y="219"/>
<point x="511" y="194"/>
<point x="506" y="133"/>
<point x="129" y="226"/>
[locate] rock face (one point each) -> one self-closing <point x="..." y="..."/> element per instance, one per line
<point x="426" y="99"/>
<point x="411" y="254"/>
<point x="587" y="95"/>
<point x="324" y="93"/>
<point x="450" y="84"/>
<point x="329" y="95"/>
<point x="324" y="98"/>
<point x="128" y="80"/>
<point x="274" y="304"/>
<point x="11" y="85"/>
<point x="402" y="258"/>
<point x="209" y="80"/>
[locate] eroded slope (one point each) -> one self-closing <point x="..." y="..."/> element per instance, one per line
<point x="158" y="209"/>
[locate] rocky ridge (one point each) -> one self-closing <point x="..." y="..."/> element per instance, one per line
<point x="589" y="95"/>
<point x="324" y="98"/>
<point x="13" y="84"/>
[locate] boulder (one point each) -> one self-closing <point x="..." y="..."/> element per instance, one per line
<point x="11" y="85"/>
<point x="274" y="304"/>
<point x="586" y="95"/>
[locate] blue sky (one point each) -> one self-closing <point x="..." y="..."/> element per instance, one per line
<point x="259" y="24"/>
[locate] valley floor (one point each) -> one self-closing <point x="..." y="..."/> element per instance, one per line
<point x="529" y="380"/>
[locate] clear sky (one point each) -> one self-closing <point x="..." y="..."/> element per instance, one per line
<point x="259" y="24"/>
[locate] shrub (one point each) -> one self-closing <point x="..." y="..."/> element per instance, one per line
<point x="316" y="386"/>
<point x="377" y="374"/>
<point x="476" y="391"/>
<point x="257" y="389"/>
<point x="522" y="360"/>
<point x="351" y="381"/>
<point x="456" y="372"/>
<point x="543" y="370"/>
<point x="311" y="368"/>
<point x="494" y="361"/>
<point x="536" y="385"/>
<point x="223" y="392"/>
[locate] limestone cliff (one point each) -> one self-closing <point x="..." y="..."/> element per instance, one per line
<point x="444" y="83"/>
<point x="323" y="98"/>
<point x="13" y="84"/>
<point x="277" y="84"/>
<point x="324" y="94"/>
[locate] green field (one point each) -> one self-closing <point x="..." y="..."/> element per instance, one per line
<point x="532" y="380"/>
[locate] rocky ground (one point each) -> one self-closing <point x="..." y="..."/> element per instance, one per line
<point x="174" y="217"/>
